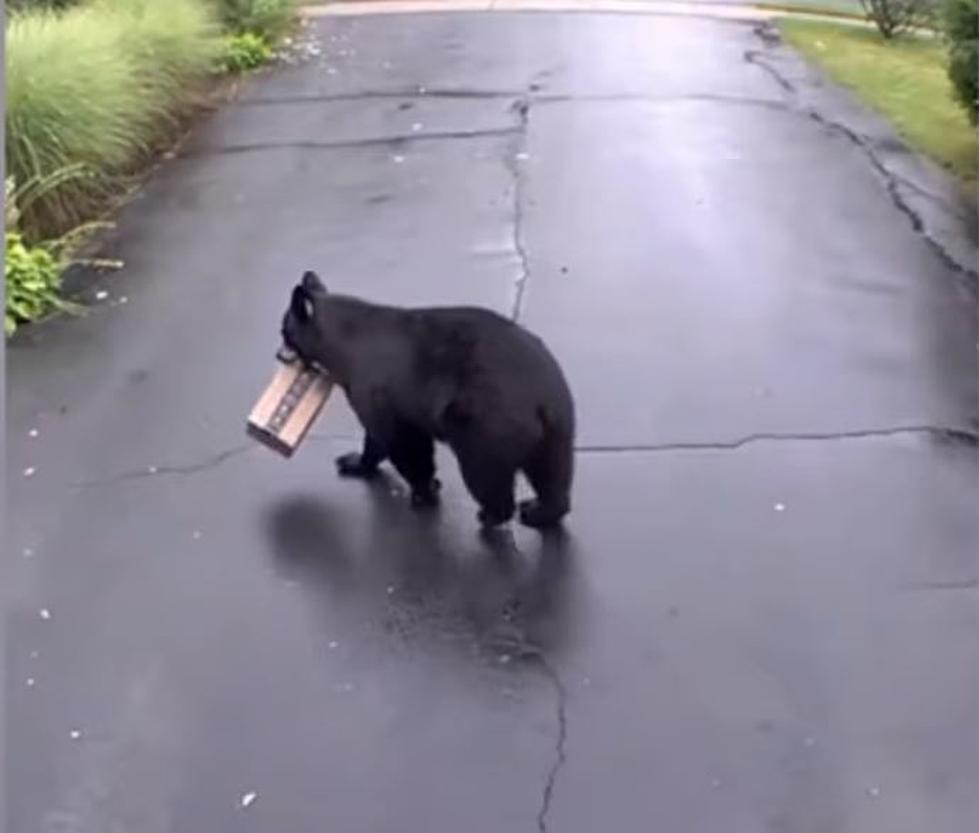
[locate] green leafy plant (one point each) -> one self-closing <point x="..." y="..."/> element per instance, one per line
<point x="32" y="279"/>
<point x="245" y="51"/>
<point x="961" y="18"/>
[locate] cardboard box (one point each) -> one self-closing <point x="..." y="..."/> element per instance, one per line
<point x="289" y="406"/>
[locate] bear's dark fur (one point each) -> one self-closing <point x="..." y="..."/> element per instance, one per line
<point x="464" y="376"/>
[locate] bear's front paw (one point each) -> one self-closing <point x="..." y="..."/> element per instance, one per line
<point x="352" y="465"/>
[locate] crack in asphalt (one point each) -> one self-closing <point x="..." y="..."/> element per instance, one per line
<point x="560" y="742"/>
<point x="392" y="141"/>
<point x="211" y="462"/>
<point x="156" y="471"/>
<point x="962" y="584"/>
<point x="892" y="181"/>
<point x="939" y="200"/>
<point x="754" y="57"/>
<point x="510" y="95"/>
<point x="512" y="161"/>
<point x="524" y="650"/>
<point x="958" y="436"/>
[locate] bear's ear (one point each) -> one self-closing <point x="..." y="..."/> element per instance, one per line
<point x="312" y="284"/>
<point x="302" y="304"/>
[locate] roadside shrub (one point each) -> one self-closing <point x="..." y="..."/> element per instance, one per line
<point x="245" y="51"/>
<point x="32" y="278"/>
<point x="891" y="17"/>
<point x="268" y="18"/>
<point x="961" y="18"/>
<point x="95" y="85"/>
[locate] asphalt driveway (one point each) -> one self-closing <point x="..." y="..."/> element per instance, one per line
<point x="763" y="615"/>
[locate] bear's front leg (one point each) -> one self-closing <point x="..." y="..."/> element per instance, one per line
<point x="413" y="455"/>
<point x="364" y="464"/>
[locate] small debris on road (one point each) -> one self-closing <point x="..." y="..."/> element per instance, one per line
<point x="247" y="800"/>
<point x="152" y="469"/>
<point x="29" y="471"/>
<point x="30" y="682"/>
<point x="32" y="433"/>
<point x="75" y="734"/>
<point x="779" y="507"/>
<point x="333" y="645"/>
<point x="44" y="613"/>
<point x="390" y="589"/>
<point x="397" y="159"/>
<point x="101" y="295"/>
<point x="873" y="792"/>
<point x="523" y="156"/>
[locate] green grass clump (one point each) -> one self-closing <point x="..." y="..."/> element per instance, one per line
<point x="96" y="85"/>
<point x="904" y="78"/>
<point x="245" y="51"/>
<point x="268" y="18"/>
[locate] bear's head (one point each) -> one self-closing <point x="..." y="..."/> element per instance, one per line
<point x="302" y="327"/>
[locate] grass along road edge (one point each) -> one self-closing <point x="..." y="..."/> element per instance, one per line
<point x="904" y="79"/>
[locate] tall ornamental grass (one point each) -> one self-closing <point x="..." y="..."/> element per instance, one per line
<point x="96" y="85"/>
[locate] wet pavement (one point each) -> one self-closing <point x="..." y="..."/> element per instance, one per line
<point x="763" y="613"/>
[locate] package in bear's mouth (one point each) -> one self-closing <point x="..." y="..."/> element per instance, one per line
<point x="289" y="405"/>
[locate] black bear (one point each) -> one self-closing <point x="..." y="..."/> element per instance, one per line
<point x="464" y="376"/>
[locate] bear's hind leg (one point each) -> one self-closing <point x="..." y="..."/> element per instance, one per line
<point x="550" y="469"/>
<point x="490" y="480"/>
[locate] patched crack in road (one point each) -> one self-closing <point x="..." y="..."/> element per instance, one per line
<point x="560" y="741"/>
<point x="512" y="161"/>
<point x="393" y="141"/>
<point x="892" y="181"/>
<point x="959" y="436"/>
<point x="534" y="99"/>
